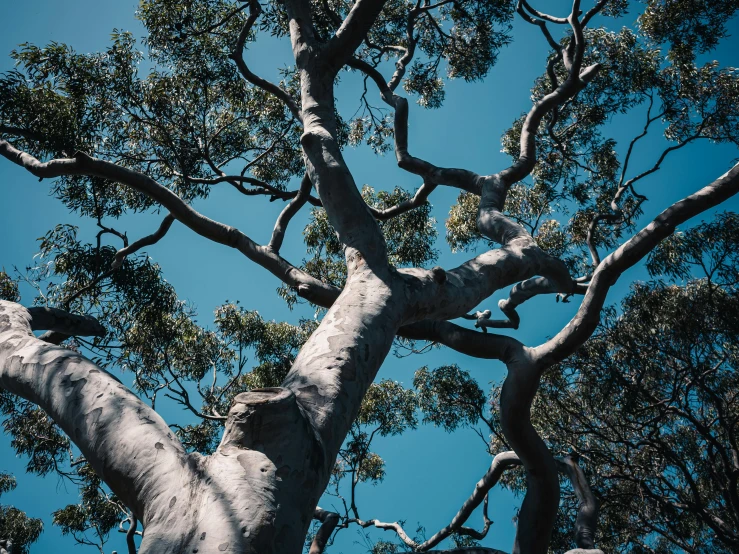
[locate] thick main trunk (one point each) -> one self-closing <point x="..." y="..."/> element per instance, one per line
<point x="254" y="494"/>
<point x="257" y="493"/>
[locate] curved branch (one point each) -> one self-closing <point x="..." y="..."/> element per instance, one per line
<point x="278" y="234"/>
<point x="579" y="329"/>
<point x="469" y="342"/>
<point x="539" y="23"/>
<point x="127" y="443"/>
<point x="130" y="534"/>
<point x="419" y="199"/>
<point x="82" y="164"/>
<point x="530" y="288"/>
<point x="329" y="521"/>
<point x="460" y="178"/>
<point x="500" y="463"/>
<point x="262" y="187"/>
<point x="255" y="9"/>
<point x="544" y="16"/>
<point x="576" y="80"/>
<point x="587" y="510"/>
<point x="148" y="240"/>
<point x="584" y="527"/>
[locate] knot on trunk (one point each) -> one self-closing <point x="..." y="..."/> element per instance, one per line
<point x="261" y="417"/>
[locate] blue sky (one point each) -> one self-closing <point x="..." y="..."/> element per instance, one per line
<point x="429" y="473"/>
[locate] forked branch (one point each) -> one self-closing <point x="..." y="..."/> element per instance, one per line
<point x="585" y="525"/>
<point x="82" y="164"/>
<point x="237" y="55"/>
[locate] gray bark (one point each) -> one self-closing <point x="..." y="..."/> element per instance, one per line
<point x="259" y="491"/>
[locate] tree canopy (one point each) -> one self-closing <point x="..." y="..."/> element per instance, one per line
<point x="639" y="419"/>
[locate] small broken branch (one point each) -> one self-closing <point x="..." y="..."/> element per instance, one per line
<point x="59" y="321"/>
<point x="148" y="240"/>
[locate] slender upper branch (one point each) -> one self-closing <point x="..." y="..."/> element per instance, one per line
<point x="143" y="242"/>
<point x="278" y="234"/>
<point x="460" y="178"/>
<point x="255" y="9"/>
<point x="579" y="329"/>
<point x="572" y="55"/>
<point x="82" y="164"/>
<point x="418" y="199"/>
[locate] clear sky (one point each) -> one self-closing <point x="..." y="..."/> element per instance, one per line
<point x="429" y="473"/>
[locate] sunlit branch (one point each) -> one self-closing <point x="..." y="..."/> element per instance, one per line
<point x="329" y="521"/>
<point x="237" y="55"/>
<point x="278" y="234"/>
<point x="544" y="16"/>
<point x="579" y="329"/>
<point x="130" y="533"/>
<point x="65" y="385"/>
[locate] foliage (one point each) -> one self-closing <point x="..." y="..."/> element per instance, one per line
<point x="8" y="288"/>
<point x="448" y="397"/>
<point x="192" y="118"/>
<point x="15" y="525"/>
<point x="650" y="404"/>
<point x="98" y="512"/>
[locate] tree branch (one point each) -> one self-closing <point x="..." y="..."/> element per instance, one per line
<point x="352" y="32"/>
<point x="584" y="527"/>
<point x="278" y="234"/>
<point x="127" y="443"/>
<point x="148" y="240"/>
<point x="255" y="9"/>
<point x="329" y="521"/>
<point x="460" y="178"/>
<point x="419" y="199"/>
<point x="576" y="80"/>
<point x="59" y="321"/>
<point x="587" y="510"/>
<point x="82" y="164"/>
<point x="579" y="329"/>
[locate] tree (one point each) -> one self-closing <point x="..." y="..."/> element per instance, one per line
<point x="116" y="143"/>
<point x="16" y="528"/>
<point x="650" y="403"/>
